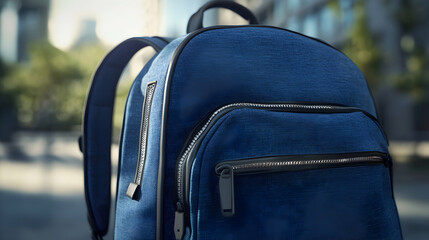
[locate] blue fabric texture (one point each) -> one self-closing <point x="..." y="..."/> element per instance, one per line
<point x="137" y="219"/>
<point x="334" y="203"/>
<point x="157" y="72"/>
<point x="129" y="213"/>
<point x="96" y="138"/>
<point x="252" y="64"/>
<point x="260" y="65"/>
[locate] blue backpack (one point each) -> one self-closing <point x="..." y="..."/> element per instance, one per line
<point x="239" y="132"/>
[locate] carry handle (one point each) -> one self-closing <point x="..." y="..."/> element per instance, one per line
<point x="196" y="20"/>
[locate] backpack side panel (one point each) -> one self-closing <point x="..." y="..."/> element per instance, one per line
<point x="137" y="219"/>
<point x="127" y="215"/>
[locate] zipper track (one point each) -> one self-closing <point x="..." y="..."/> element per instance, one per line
<point x="227" y="169"/>
<point x="180" y="163"/>
<point x="285" y="163"/>
<point x="150" y="89"/>
<point x="186" y="155"/>
<point x="170" y="71"/>
<point x="134" y="186"/>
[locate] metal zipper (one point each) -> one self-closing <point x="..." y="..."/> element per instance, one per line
<point x="184" y="163"/>
<point x="171" y="68"/>
<point x="291" y="107"/>
<point x="294" y="163"/>
<point x="222" y="111"/>
<point x="133" y="190"/>
<point x="226" y="170"/>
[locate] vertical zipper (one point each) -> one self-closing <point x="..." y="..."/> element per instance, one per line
<point x="133" y="190"/>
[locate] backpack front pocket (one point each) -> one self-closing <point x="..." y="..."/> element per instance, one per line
<point x="285" y="169"/>
<point x="228" y="169"/>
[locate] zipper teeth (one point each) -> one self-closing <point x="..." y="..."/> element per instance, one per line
<point x="252" y="105"/>
<point x="145" y="126"/>
<point x="269" y="164"/>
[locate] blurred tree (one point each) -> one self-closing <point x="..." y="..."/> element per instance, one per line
<point x="361" y="46"/>
<point x="335" y="6"/>
<point x="414" y="79"/>
<point x="8" y="114"/>
<point x="50" y="88"/>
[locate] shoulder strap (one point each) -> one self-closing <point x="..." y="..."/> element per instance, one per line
<point x="96" y="136"/>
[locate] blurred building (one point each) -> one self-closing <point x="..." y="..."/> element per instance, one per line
<point x="87" y="33"/>
<point x="21" y="22"/>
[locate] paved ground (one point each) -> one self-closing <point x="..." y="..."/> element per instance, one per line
<point x="41" y="187"/>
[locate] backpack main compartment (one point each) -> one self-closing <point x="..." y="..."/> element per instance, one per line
<point x="212" y="68"/>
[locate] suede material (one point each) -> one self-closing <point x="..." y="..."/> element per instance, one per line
<point x="252" y="64"/>
<point x="255" y="64"/>
<point x="96" y="138"/>
<point x="137" y="219"/>
<point x="335" y="203"/>
<point x="129" y="213"/>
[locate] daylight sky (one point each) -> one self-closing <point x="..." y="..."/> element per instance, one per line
<point x="116" y="20"/>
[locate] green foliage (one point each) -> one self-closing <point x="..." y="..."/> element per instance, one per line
<point x="408" y="15"/>
<point x="49" y="89"/>
<point x="414" y="79"/>
<point x="334" y="5"/>
<point x="7" y="99"/>
<point x="361" y="47"/>
<point x="363" y="50"/>
<point x="48" y="92"/>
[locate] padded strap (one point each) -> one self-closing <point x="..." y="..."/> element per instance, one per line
<point x="97" y="129"/>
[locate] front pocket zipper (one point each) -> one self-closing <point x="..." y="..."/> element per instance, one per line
<point x="226" y="170"/>
<point x="184" y="162"/>
<point x="133" y="190"/>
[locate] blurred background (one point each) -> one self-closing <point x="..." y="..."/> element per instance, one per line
<point x="49" y="49"/>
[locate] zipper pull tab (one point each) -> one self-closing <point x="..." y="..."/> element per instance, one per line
<point x="133" y="191"/>
<point x="179" y="223"/>
<point x="226" y="191"/>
